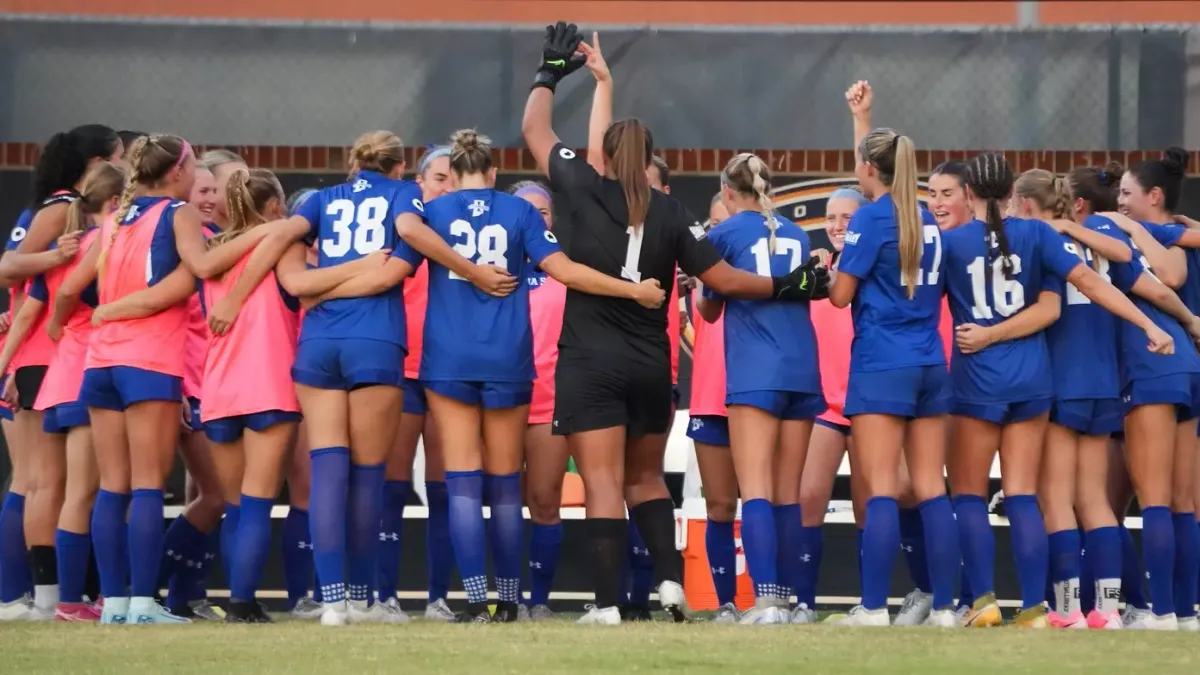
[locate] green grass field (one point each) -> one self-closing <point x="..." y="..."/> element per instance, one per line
<point x="294" y="648"/>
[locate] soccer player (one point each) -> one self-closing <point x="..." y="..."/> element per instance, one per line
<point x="613" y="382"/>
<point x="771" y="403"/>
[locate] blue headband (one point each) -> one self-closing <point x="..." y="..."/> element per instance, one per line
<point x="430" y="155"/>
<point x="534" y="190"/>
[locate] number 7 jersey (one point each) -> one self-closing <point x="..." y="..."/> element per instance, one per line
<point x="350" y="221"/>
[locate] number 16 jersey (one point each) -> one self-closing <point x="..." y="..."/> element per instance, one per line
<point x="350" y="221"/>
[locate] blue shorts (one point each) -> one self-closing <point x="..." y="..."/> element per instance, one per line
<point x="918" y="391"/>
<point x="118" y="387"/>
<point x="414" y="397"/>
<point x="491" y="395"/>
<point x="1090" y="416"/>
<point x="1003" y="413"/>
<point x="229" y="429"/>
<point x="784" y="405"/>
<point x="65" y="416"/>
<point x="348" y="363"/>
<point x="6" y="412"/>
<point x="194" y="409"/>
<point x="843" y="429"/>
<point x="1181" y="390"/>
<point x="709" y="429"/>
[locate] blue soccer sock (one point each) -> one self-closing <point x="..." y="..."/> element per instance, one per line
<point x="1066" y="568"/>
<point x="145" y="541"/>
<point x="1031" y="550"/>
<point x="788" y="526"/>
<point x="327" y="519"/>
<point x="16" y="579"/>
<point x="941" y="558"/>
<point x="1158" y="550"/>
<point x="439" y="551"/>
<point x="545" y="542"/>
<point x="251" y="546"/>
<point x="1087" y="582"/>
<point x="1132" y="576"/>
<point x="977" y="542"/>
<point x="881" y="541"/>
<point x="183" y="551"/>
<point x="1103" y="563"/>
<point x="912" y="540"/>
<point x="1187" y="563"/>
<point x="364" y="513"/>
<point x="212" y="549"/>
<point x="508" y="533"/>
<point x="110" y="543"/>
<point x="758" y="541"/>
<point x="395" y="498"/>
<point x="297" y="555"/>
<point x="640" y="566"/>
<point x="812" y="550"/>
<point x="859" y="551"/>
<point x="722" y="559"/>
<point x="467" y="531"/>
<point x="73" y="550"/>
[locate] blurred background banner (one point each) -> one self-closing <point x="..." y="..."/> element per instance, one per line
<point x="275" y="83"/>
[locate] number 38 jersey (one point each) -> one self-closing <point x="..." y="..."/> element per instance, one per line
<point x="1014" y="370"/>
<point x="769" y="346"/>
<point x="350" y="221"/>
<point x="471" y="336"/>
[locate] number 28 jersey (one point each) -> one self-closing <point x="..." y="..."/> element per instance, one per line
<point x="350" y="221"/>
<point x="471" y="336"/>
<point x="1014" y="370"/>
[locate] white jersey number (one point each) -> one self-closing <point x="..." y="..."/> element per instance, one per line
<point x="1074" y="297"/>
<point x="932" y="235"/>
<point x="490" y="244"/>
<point x="762" y="254"/>
<point x="1008" y="296"/>
<point x="633" y="254"/>
<point x="362" y="229"/>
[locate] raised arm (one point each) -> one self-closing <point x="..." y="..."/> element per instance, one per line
<point x="602" y="102"/>
<point x="560" y="58"/>
<point x="860" y="97"/>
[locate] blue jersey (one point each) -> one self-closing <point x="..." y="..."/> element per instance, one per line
<point x="19" y="230"/>
<point x="533" y="275"/>
<point x="1168" y="235"/>
<point x="348" y="222"/>
<point x="164" y="255"/>
<point x="1014" y="370"/>
<point x="1083" y="342"/>
<point x="769" y="346"/>
<point x="890" y="330"/>
<point x="470" y="335"/>
<point x="1137" y="362"/>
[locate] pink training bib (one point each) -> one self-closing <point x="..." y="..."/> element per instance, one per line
<point x="153" y="343"/>
<point x="416" y="298"/>
<point x="248" y="369"/>
<point x="708" y="366"/>
<point x="946" y="329"/>
<point x="674" y="332"/>
<point x="546" y="304"/>
<point x="835" y="332"/>
<point x="64" y="375"/>
<point x="195" y="347"/>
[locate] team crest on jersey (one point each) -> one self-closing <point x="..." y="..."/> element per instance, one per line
<point x="566" y="153"/>
<point x="360" y="185"/>
<point x="804" y="203"/>
<point x="132" y="215"/>
<point x="418" y="205"/>
<point x="478" y="208"/>
<point x="550" y="237"/>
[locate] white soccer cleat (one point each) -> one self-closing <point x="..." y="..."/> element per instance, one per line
<point x="763" y="616"/>
<point x="803" y="614"/>
<point x="609" y="616"/>
<point x="20" y="609"/>
<point x="942" y="618"/>
<point x="670" y="595"/>
<point x="335" y="614"/>
<point x="861" y="616"/>
<point x="915" y="610"/>
<point x="540" y="613"/>
<point x="1152" y="621"/>
<point x="1134" y="615"/>
<point x="307" y="609"/>
<point x="438" y="610"/>
<point x="727" y="614"/>
<point x="1189" y="624"/>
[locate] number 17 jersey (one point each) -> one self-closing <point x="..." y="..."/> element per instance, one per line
<point x="350" y="221"/>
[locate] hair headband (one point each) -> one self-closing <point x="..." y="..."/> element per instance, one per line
<point x="183" y="154"/>
<point x="533" y="190"/>
<point x="432" y="154"/>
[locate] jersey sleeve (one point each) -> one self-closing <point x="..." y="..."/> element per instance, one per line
<point x="1167" y="235"/>
<point x="310" y="210"/>
<point x="1058" y="257"/>
<point x="863" y="242"/>
<point x="38" y="289"/>
<point x="407" y="200"/>
<point x="694" y="253"/>
<point x="719" y="238"/>
<point x="568" y="171"/>
<point x="539" y="242"/>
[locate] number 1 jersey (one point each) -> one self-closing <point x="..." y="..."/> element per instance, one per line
<point x="350" y="221"/>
